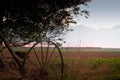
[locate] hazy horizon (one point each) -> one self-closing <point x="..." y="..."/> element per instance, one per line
<point x="101" y="29"/>
<point x="85" y="36"/>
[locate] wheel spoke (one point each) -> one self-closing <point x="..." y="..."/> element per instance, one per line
<point x="42" y="56"/>
<point x="37" y="58"/>
<point x="47" y="51"/>
<point x="51" y="55"/>
<point x="33" y="63"/>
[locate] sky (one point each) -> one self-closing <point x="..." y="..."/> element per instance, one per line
<point x="103" y="14"/>
<point x="101" y="29"/>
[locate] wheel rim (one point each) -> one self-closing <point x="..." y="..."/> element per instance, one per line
<point x="47" y="57"/>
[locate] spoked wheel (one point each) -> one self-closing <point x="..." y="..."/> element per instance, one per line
<point x="47" y="57"/>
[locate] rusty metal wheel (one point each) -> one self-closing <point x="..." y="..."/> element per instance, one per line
<point x="47" y="57"/>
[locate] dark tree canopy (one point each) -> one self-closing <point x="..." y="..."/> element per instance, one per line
<point x="25" y="21"/>
<point x="30" y="20"/>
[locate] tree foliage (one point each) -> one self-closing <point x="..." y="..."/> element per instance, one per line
<point x="32" y="20"/>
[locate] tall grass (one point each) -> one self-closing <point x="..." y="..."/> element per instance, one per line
<point x="93" y="69"/>
<point x="75" y="68"/>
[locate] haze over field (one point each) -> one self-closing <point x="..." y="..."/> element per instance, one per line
<point x="89" y="37"/>
<point x="101" y="29"/>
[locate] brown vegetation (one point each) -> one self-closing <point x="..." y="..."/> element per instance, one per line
<point x="79" y="65"/>
<point x="91" y="54"/>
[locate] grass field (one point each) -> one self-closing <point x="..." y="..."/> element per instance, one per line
<point x="93" y="69"/>
<point x="92" y="64"/>
<point x="89" y="65"/>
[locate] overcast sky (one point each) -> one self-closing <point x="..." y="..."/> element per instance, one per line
<point x="104" y="14"/>
<point x="101" y="29"/>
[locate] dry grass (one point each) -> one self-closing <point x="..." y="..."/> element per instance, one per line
<point x="93" y="69"/>
<point x="83" y="65"/>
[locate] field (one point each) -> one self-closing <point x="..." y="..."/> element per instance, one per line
<point x="90" y="64"/>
